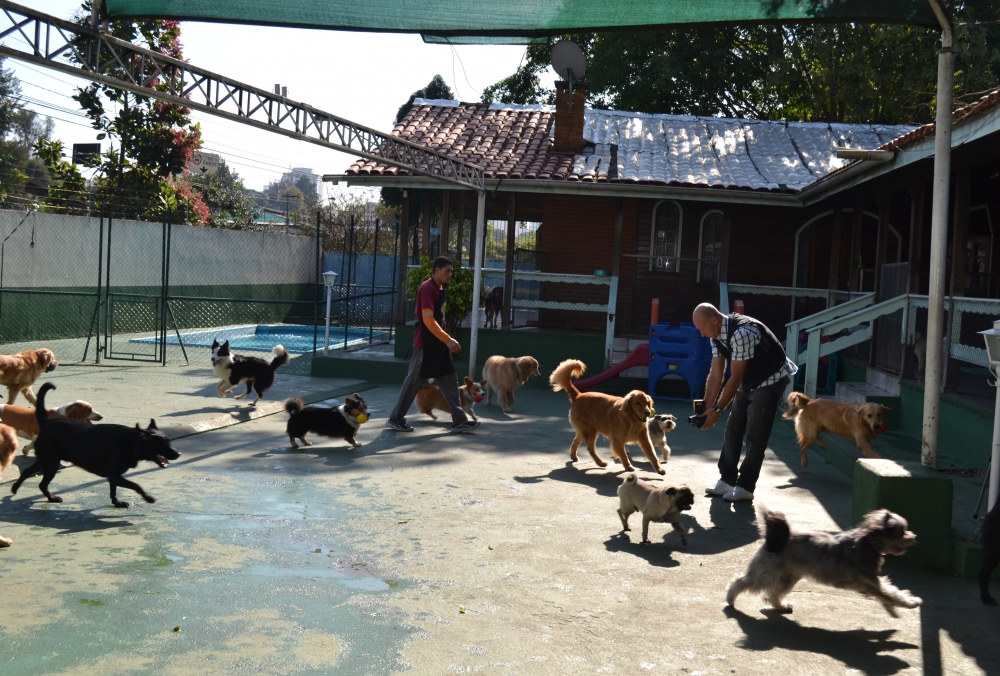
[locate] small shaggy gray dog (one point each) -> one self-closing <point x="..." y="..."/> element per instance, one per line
<point x="849" y="560"/>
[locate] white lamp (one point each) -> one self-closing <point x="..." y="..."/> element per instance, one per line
<point x="992" y="338"/>
<point x="329" y="281"/>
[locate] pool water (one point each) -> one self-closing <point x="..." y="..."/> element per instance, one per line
<point x="297" y="339"/>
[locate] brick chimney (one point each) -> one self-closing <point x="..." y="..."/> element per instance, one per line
<point x="569" y="122"/>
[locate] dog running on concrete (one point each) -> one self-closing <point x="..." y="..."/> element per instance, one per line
<point x="662" y="504"/>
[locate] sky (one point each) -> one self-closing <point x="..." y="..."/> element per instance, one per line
<point x="363" y="77"/>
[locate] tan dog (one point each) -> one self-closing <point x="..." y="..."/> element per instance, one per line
<point x="621" y="419"/>
<point x="662" y="504"/>
<point x="20" y="371"/>
<point x="504" y="375"/>
<point x="25" y="423"/>
<point x="430" y="398"/>
<point x="8" y="447"/>
<point x="859" y="422"/>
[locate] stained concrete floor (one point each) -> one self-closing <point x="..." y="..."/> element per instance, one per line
<point x="433" y="553"/>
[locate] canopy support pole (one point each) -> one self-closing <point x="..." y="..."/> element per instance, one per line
<point x="477" y="281"/>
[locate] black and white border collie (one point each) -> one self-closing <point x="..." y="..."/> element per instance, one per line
<point x="342" y="422"/>
<point x="255" y="372"/>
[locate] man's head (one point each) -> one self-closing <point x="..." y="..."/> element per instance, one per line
<point x="708" y="320"/>
<point x="443" y="270"/>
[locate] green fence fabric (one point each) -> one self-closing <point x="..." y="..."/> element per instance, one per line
<point x="493" y="18"/>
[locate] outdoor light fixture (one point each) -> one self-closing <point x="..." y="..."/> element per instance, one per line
<point x="329" y="281"/>
<point x="992" y="338"/>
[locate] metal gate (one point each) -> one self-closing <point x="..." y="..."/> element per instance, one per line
<point x="135" y="302"/>
<point x="888" y="329"/>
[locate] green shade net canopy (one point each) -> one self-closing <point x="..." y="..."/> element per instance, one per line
<point x="518" y="21"/>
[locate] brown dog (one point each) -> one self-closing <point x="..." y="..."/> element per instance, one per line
<point x="621" y="419"/>
<point x="494" y="306"/>
<point x="8" y="446"/>
<point x="859" y="422"/>
<point x="503" y="375"/>
<point x="430" y="398"/>
<point x="25" y="423"/>
<point x="20" y="371"/>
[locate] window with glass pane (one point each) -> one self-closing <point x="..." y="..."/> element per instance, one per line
<point x="711" y="247"/>
<point x="666" y="238"/>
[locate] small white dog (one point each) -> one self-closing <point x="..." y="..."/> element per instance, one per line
<point x="659" y="425"/>
<point x="849" y="560"/>
<point x="661" y="504"/>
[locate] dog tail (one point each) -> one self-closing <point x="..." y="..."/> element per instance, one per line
<point x="629" y="478"/>
<point x="773" y="528"/>
<point x="280" y="357"/>
<point x="562" y="377"/>
<point x="796" y="402"/>
<point x="294" y="405"/>
<point x="42" y="413"/>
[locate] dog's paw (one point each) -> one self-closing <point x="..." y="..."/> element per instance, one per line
<point x="661" y="471"/>
<point x="5" y="542"/>
<point x="684" y="542"/>
<point x="647" y="541"/>
<point x="149" y="498"/>
<point x="120" y="504"/>
<point x="988" y="600"/>
<point x="55" y="498"/>
<point x="602" y="463"/>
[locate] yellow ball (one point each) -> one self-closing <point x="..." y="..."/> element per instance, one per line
<point x="363" y="418"/>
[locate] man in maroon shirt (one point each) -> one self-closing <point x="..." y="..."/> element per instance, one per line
<point x="432" y="350"/>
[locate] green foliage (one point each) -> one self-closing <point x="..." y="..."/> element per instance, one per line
<point x="335" y="224"/>
<point x="437" y="88"/>
<point x="67" y="192"/>
<point x="225" y="196"/>
<point x="459" y="303"/>
<point x="822" y="72"/>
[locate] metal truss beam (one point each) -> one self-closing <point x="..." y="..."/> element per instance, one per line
<point x="31" y="36"/>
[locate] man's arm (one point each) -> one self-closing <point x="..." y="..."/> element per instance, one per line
<point x="736" y="371"/>
<point x="439" y="333"/>
<point x="714" y="382"/>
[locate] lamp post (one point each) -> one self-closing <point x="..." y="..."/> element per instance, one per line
<point x="992" y="338"/>
<point x="329" y="281"/>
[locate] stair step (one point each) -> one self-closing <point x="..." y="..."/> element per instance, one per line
<point x="884" y="381"/>
<point x="862" y="393"/>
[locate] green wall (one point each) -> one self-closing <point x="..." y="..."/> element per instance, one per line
<point x="965" y="432"/>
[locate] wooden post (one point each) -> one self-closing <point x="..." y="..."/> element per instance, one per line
<point x="854" y="283"/>
<point x="838" y="224"/>
<point x="882" y="243"/>
<point x="473" y="226"/>
<point x="459" y="233"/>
<point x="916" y="250"/>
<point x="425" y="217"/>
<point x="445" y="222"/>
<point x="404" y="252"/>
<point x="959" y="243"/>
<point x="508" y="283"/>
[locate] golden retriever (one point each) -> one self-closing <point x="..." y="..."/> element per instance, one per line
<point x="20" y="371"/>
<point x="859" y="422"/>
<point x="25" y="422"/>
<point x="504" y="375"/>
<point x="621" y="419"/>
<point x="8" y="446"/>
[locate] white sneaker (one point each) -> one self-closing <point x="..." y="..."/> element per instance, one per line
<point x="738" y="494"/>
<point x="718" y="489"/>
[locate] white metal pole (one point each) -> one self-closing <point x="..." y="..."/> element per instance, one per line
<point x="995" y="462"/>
<point x="477" y="282"/>
<point x="939" y="240"/>
<point x="609" y="334"/>
<point x="326" y="340"/>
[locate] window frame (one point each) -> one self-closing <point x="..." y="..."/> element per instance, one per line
<point x="701" y="239"/>
<point x="652" y="236"/>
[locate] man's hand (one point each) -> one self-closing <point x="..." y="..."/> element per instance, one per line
<point x="454" y="346"/>
<point x="711" y="417"/>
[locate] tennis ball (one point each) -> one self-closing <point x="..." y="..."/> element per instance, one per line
<point x="362" y="418"/>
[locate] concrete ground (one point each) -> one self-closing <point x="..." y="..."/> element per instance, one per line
<point x="434" y="553"/>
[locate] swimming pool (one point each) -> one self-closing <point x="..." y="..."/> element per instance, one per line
<point x="297" y="338"/>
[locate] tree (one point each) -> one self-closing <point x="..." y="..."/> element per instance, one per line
<point x="144" y="176"/>
<point x="67" y="191"/>
<point x="437" y="88"/>
<point x="824" y="72"/>
<point x="227" y="200"/>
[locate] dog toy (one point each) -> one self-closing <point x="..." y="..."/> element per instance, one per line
<point x="362" y="418"/>
<point x="478" y="398"/>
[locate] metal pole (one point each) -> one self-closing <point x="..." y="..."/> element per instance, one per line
<point x="326" y="339"/>
<point x="995" y="461"/>
<point x="477" y="282"/>
<point x="939" y="239"/>
<point x="100" y="260"/>
<point x="371" y="315"/>
<point x="317" y="270"/>
<point x="350" y="264"/>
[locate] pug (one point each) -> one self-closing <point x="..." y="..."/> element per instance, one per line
<point x="661" y="504"/>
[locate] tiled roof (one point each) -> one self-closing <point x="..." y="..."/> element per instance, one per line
<point x="991" y="100"/>
<point x="513" y="142"/>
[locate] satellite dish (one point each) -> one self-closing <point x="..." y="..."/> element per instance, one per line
<point x="568" y="61"/>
